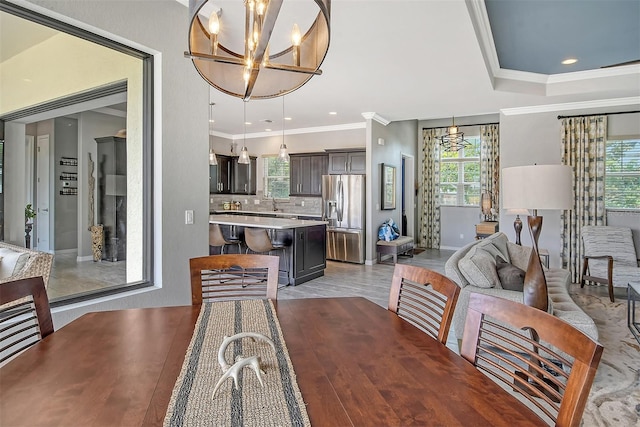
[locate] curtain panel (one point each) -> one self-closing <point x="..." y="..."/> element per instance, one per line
<point x="490" y="163"/>
<point x="430" y="218"/>
<point x="584" y="149"/>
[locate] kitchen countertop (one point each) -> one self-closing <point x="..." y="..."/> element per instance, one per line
<point x="263" y="222"/>
<point x="270" y="213"/>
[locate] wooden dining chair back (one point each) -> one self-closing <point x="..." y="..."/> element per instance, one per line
<point x="546" y="360"/>
<point x="424" y="298"/>
<point x="25" y="315"/>
<point x="233" y="277"/>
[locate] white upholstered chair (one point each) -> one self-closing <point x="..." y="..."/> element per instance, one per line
<point x="609" y="256"/>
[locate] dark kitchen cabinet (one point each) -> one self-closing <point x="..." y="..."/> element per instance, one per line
<point x="243" y="177"/>
<point x="305" y="173"/>
<point x="347" y="162"/>
<point x="220" y="176"/>
<point x="310" y="249"/>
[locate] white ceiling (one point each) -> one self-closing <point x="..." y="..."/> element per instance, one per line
<point x="404" y="60"/>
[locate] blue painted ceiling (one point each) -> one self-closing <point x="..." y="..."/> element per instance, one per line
<point x="536" y="35"/>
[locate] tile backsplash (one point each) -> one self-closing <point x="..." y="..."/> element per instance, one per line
<point x="257" y="203"/>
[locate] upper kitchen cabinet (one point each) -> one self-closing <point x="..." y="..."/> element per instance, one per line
<point x="220" y="176"/>
<point x="243" y="177"/>
<point x="305" y="173"/>
<point x="347" y="162"/>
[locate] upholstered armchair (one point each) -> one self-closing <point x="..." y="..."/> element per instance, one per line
<point x="609" y="257"/>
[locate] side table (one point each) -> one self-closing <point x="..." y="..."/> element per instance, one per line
<point x="633" y="295"/>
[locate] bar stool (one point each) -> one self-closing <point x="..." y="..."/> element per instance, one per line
<point x="258" y="241"/>
<point x="216" y="238"/>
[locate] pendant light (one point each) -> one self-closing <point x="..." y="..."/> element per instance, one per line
<point x="244" y="153"/>
<point x="283" y="155"/>
<point x="213" y="160"/>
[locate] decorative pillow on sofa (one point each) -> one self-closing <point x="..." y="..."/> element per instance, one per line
<point x="12" y="262"/>
<point x="511" y="277"/>
<point x="479" y="267"/>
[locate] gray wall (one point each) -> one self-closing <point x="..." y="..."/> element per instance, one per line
<point x="92" y="125"/>
<point x="399" y="138"/>
<point x="526" y="139"/>
<point x="65" y="224"/>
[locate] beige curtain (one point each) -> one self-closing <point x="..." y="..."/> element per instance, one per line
<point x="430" y="218"/>
<point x="490" y="162"/>
<point x="583" y="148"/>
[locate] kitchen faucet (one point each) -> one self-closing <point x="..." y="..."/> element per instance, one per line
<point x="275" y="208"/>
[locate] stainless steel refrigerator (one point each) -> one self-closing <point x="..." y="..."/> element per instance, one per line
<point x="343" y="206"/>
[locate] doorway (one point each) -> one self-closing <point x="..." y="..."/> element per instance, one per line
<point x="408" y="197"/>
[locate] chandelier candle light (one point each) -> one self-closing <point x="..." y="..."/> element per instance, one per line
<point x="254" y="49"/>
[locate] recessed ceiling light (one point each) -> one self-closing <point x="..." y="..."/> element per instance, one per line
<point x="288" y="118"/>
<point x="333" y="113"/>
<point x="267" y="130"/>
<point x="569" y="61"/>
<point x="212" y="121"/>
<point x="247" y="123"/>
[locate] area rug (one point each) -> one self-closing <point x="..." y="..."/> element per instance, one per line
<point x="276" y="403"/>
<point x="615" y="395"/>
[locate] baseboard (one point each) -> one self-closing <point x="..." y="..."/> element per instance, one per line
<point x="65" y="251"/>
<point x="450" y="248"/>
<point x="84" y="258"/>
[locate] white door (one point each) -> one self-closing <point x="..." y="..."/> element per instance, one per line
<point x="42" y="198"/>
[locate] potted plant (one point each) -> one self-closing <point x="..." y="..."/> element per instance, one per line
<point x="29" y="214"/>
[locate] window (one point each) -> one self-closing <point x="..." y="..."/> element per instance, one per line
<point x="622" y="174"/>
<point x="276" y="178"/>
<point x="460" y="175"/>
<point x="89" y="106"/>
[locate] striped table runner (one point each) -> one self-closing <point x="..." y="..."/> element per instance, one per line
<point x="278" y="403"/>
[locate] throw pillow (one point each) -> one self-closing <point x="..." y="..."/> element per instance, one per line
<point x="479" y="268"/>
<point x="511" y="277"/>
<point x="500" y="241"/>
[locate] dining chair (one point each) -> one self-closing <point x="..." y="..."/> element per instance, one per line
<point x="25" y="315"/>
<point x="233" y="277"/>
<point x="216" y="238"/>
<point x="546" y="360"/>
<point x="609" y="257"/>
<point x="424" y="298"/>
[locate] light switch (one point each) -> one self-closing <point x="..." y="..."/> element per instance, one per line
<point x="188" y="217"/>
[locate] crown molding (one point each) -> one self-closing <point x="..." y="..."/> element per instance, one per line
<point x="376" y="117"/>
<point x="317" y="129"/>
<point x="601" y="103"/>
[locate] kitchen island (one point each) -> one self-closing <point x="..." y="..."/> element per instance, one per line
<point x="305" y="254"/>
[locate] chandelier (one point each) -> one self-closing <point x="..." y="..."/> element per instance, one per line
<point x="453" y="139"/>
<point x="254" y="48"/>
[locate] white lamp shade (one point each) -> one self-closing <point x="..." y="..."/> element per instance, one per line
<point x="537" y="187"/>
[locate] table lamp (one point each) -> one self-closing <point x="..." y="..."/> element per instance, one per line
<point x="536" y="187"/>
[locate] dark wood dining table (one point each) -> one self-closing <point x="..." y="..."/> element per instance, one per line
<point x="356" y="364"/>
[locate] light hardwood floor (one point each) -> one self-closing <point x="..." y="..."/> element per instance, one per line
<point x="369" y="281"/>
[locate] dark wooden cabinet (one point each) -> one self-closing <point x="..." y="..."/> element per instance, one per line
<point x="220" y="176"/>
<point x="111" y="167"/>
<point x="347" y="162"/>
<point x="305" y="173"/>
<point x="243" y="177"/>
<point x="310" y="249"/>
